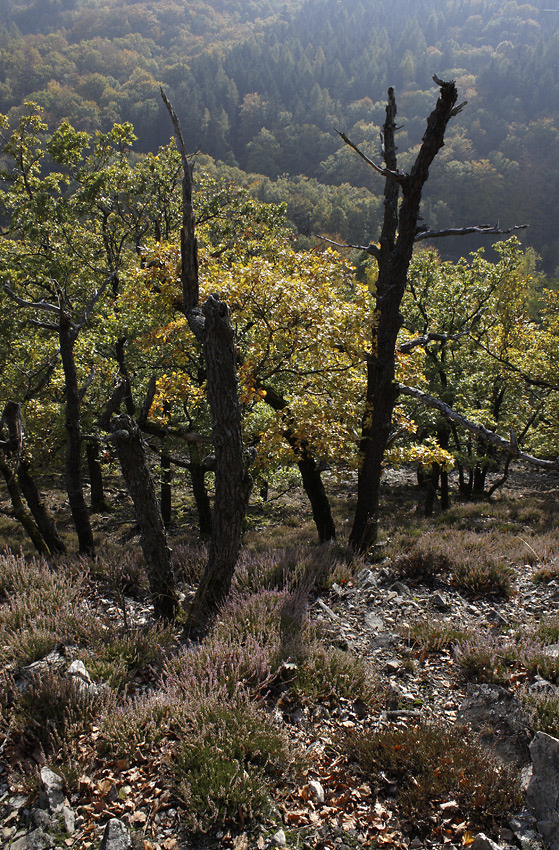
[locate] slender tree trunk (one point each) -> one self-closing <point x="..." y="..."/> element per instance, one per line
<point x="98" y="503"/>
<point x="166" y="490"/>
<point x="132" y="456"/>
<point x="212" y="327"/>
<point x="314" y="488"/>
<point x="74" y="486"/>
<point x="20" y="513"/>
<point x="42" y="517"/>
<point x="310" y="473"/>
<point x="44" y="521"/>
<point x="394" y="254"/>
<point x="197" y="477"/>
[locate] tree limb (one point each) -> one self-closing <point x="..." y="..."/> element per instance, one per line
<point x="397" y="176"/>
<point x="464" y="231"/>
<point x="371" y="249"/>
<point x="406" y="347"/>
<point x="508" y="446"/>
<point x="36" y="305"/>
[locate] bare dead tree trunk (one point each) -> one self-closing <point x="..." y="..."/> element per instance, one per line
<point x="212" y="327"/>
<point x="131" y="452"/>
<point x="393" y="255"/>
<point x="74" y="486"/>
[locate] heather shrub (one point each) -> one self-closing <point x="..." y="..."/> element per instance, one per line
<point x="481" y="574"/>
<point x="432" y="764"/>
<point x="326" y="673"/>
<point x="426" y="559"/>
<point x="126" y="654"/>
<point x="484" y="657"/>
<point x="189" y="561"/>
<point x="543" y="712"/>
<point x="141" y="723"/>
<point x="226" y="765"/>
<point x="53" y="707"/>
<point x="433" y="635"/>
<point x="41" y="607"/>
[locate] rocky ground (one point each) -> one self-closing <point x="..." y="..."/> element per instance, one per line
<point x="379" y="616"/>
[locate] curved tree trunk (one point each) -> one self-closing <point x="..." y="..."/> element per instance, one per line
<point x="131" y="452"/>
<point x="20" y="513"/>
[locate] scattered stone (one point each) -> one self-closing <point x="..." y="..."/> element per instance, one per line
<point x="116" y="836"/>
<point x="279" y="839"/>
<point x="497" y="618"/>
<point x="400" y="588"/>
<point x="542" y="687"/>
<point x="327" y="610"/>
<point x="35" y="840"/>
<point x="542" y="795"/>
<point x="482" y="842"/>
<point x="366" y="578"/>
<point x="315" y="792"/>
<point x="524" y="828"/>
<point x="77" y="668"/>
<point x="373" y="621"/>
<point x="441" y="601"/>
<point x="51" y="795"/>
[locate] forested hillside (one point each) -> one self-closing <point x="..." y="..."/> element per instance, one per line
<point x="261" y="86"/>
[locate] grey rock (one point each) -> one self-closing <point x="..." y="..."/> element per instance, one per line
<point x="41" y="819"/>
<point x="366" y="578"/>
<point x="400" y="588"/>
<point x="542" y="795"/>
<point x="69" y="820"/>
<point x="326" y="610"/>
<point x="372" y="621"/>
<point x="116" y="836"/>
<point x="77" y="668"/>
<point x="482" y="842"/>
<point x="279" y="839"/>
<point x="51" y="795"/>
<point x="530" y="840"/>
<point x="542" y="686"/>
<point x="316" y="792"/>
<point x="498" y="718"/>
<point x="35" y="840"/>
<point x="441" y="601"/>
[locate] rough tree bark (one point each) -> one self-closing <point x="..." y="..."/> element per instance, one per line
<point x="393" y="255"/>
<point x="67" y="334"/>
<point x="131" y="452"/>
<point x="212" y="327"/>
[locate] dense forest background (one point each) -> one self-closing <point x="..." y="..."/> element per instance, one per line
<point x="261" y="86"/>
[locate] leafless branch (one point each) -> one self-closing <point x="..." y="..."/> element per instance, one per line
<point x="98" y="293"/>
<point x="490" y="437"/>
<point x="397" y="176"/>
<point x="406" y="347"/>
<point x="369" y="249"/>
<point x="464" y="231"/>
<point x="36" y="305"/>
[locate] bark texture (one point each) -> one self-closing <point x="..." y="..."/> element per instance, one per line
<point x="73" y="473"/>
<point x="232" y="480"/>
<point x="131" y="452"/>
<point x="397" y="239"/>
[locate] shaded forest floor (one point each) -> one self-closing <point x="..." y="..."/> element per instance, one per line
<point x="347" y="702"/>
